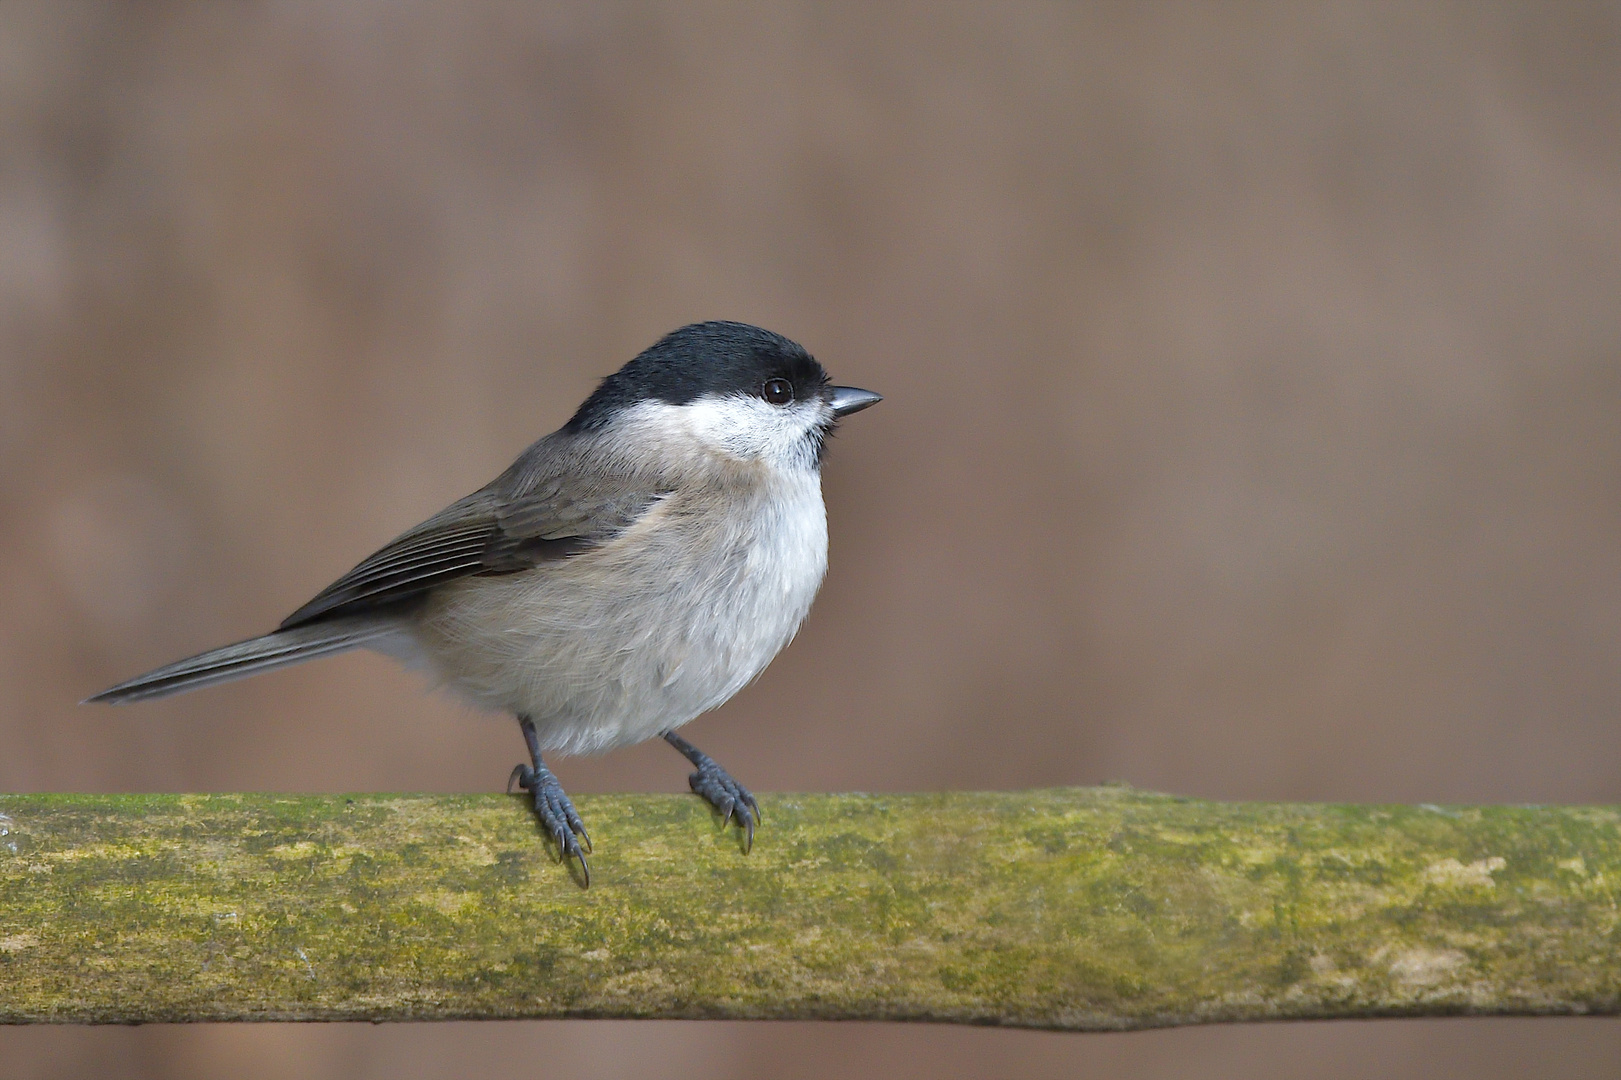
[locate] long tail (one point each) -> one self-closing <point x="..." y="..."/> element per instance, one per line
<point x="274" y="650"/>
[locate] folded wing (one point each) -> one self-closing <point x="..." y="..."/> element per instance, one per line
<point x="506" y="528"/>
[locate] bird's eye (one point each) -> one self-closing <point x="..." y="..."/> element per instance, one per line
<point x="777" y="391"/>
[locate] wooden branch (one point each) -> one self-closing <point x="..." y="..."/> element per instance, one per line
<point x="1081" y="909"/>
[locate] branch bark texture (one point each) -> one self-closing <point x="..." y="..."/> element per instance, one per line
<point x="1085" y="909"/>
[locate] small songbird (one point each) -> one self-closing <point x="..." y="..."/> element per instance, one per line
<point x="630" y="571"/>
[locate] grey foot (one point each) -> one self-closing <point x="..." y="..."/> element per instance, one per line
<point x="552" y="805"/>
<point x="556" y="812"/>
<point x="716" y="785"/>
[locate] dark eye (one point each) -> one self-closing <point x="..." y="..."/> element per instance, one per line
<point x="777" y="391"/>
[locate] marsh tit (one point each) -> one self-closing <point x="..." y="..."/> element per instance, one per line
<point x="629" y="572"/>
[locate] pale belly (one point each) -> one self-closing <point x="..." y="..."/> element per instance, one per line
<point x="632" y="640"/>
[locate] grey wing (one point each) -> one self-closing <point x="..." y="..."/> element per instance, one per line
<point x="507" y="527"/>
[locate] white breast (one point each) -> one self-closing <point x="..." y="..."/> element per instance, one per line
<point x="633" y="639"/>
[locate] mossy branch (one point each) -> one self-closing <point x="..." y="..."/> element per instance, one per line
<point x="1081" y="909"/>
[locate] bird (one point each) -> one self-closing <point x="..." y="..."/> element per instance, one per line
<point x="629" y="572"/>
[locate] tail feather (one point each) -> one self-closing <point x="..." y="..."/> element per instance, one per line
<point x="274" y="650"/>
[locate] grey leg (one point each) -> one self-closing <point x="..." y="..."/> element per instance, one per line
<point x="554" y="808"/>
<point x="717" y="786"/>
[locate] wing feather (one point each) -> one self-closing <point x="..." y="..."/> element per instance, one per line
<point x="505" y="528"/>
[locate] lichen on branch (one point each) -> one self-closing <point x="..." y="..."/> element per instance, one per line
<point x="1081" y="909"/>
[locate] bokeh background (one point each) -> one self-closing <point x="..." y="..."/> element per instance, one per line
<point x="1253" y="420"/>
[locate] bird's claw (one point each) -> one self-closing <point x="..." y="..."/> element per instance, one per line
<point x="732" y="800"/>
<point x="556" y="812"/>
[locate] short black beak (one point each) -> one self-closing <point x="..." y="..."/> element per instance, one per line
<point x="847" y="400"/>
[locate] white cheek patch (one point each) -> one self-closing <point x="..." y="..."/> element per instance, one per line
<point x="738" y="426"/>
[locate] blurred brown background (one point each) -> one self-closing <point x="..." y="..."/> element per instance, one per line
<point x="1253" y="424"/>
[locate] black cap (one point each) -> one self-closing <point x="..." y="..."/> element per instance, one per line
<point x="709" y="358"/>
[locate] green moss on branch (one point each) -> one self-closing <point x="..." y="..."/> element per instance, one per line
<point x="1082" y="909"/>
